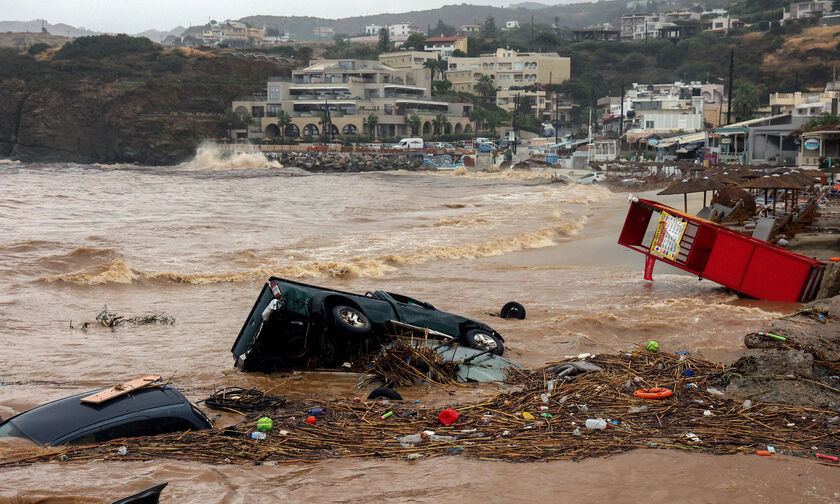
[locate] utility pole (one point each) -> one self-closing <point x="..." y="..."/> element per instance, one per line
<point x="515" y="124"/>
<point x="621" y="122"/>
<point x="532" y="27"/>
<point x="729" y="99"/>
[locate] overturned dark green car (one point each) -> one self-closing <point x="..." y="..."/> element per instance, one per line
<point x="294" y="325"/>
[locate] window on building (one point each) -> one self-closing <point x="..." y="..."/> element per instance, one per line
<point x="649" y="124"/>
<point x="518" y="65"/>
<point x="274" y="93"/>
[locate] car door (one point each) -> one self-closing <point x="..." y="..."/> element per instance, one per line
<point x="421" y="314"/>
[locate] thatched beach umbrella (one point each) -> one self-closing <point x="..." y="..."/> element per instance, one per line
<point x="686" y="186"/>
<point x="774" y="182"/>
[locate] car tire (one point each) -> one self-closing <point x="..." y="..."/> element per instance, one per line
<point x="479" y="339"/>
<point x="512" y="310"/>
<point x="350" y="320"/>
<point x="385" y="393"/>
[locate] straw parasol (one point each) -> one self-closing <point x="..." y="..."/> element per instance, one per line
<point x="774" y="182"/>
<point x="686" y="186"/>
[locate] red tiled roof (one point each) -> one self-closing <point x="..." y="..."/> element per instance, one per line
<point x="444" y="39"/>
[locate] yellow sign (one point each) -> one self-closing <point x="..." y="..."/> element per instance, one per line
<point x="668" y="235"/>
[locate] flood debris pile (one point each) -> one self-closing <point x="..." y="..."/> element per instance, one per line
<point x="542" y="416"/>
<point x="107" y="318"/>
<point x="404" y="363"/>
<point x="240" y="400"/>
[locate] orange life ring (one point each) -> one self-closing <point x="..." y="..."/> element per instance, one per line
<point x="653" y="393"/>
<point x="835" y="259"/>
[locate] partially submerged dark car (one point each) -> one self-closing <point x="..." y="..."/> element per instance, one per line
<point x="294" y="325"/>
<point x="143" y="412"/>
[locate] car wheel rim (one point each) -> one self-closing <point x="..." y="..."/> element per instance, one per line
<point x="484" y="340"/>
<point x="351" y="318"/>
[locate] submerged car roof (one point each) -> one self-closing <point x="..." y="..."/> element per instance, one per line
<point x="49" y="422"/>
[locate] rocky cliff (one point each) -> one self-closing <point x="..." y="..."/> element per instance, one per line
<point x="53" y="111"/>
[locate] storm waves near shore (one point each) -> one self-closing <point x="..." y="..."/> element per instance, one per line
<point x="198" y="240"/>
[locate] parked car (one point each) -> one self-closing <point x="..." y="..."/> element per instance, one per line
<point x="409" y="143"/>
<point x="486" y="147"/>
<point x="294" y="325"/>
<point x="143" y="412"/>
<point x="318" y="147"/>
<point x="592" y="178"/>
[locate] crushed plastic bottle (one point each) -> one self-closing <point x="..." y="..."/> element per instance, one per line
<point x="596" y="423"/>
<point x="714" y="391"/>
<point x="414" y="456"/>
<point x="637" y="409"/>
<point x="258" y="435"/>
<point x="410" y="440"/>
<point x="747" y="404"/>
<point x="122" y="450"/>
<point x="544" y="397"/>
<point x="576" y="432"/>
<point x="437" y="439"/>
<point x="550" y="385"/>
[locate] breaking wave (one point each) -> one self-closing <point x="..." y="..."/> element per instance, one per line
<point x="119" y="272"/>
<point x="209" y="157"/>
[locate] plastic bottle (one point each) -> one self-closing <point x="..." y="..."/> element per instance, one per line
<point x="550" y="385"/>
<point x="122" y="450"/>
<point x="544" y="398"/>
<point x="411" y="438"/>
<point x="438" y="438"/>
<point x="596" y="423"/>
<point x="258" y="435"/>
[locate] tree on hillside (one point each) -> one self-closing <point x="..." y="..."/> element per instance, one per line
<point x="488" y="29"/>
<point x="414" y="123"/>
<point x="415" y="41"/>
<point x="835" y="5"/>
<point x="485" y="87"/>
<point x="438" y="67"/>
<point x="231" y="120"/>
<point x="304" y="54"/>
<point x="744" y="99"/>
<point x="284" y="120"/>
<point x="384" y="41"/>
<point x="479" y="117"/>
<point x="441" y="87"/>
<point x="457" y="53"/>
<point x="442" y="30"/>
<point x="372" y="121"/>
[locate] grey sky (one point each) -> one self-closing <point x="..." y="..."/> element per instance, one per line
<point x="132" y="16"/>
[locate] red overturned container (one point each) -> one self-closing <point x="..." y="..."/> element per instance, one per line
<point x="448" y="416"/>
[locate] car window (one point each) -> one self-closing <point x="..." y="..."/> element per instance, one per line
<point x="9" y="430"/>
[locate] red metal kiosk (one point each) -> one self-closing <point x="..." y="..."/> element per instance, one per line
<point x="748" y="265"/>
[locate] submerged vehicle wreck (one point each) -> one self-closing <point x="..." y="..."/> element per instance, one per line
<point x="293" y="325"/>
<point x="102" y="415"/>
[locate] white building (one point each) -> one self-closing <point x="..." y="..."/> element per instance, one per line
<point x="802" y="10"/>
<point x="373" y="29"/>
<point x="510" y="25"/>
<point x="402" y="29"/>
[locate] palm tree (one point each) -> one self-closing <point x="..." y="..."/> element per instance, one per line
<point x="745" y="100"/>
<point x="440" y="121"/>
<point x="414" y="123"/>
<point x="485" y="87"/>
<point x="478" y="116"/>
<point x="284" y="120"/>
<point x="372" y="121"/>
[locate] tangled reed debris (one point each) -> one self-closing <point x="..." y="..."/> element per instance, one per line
<point x="695" y="418"/>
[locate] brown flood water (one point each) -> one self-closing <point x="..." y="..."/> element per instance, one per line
<point x="198" y="240"/>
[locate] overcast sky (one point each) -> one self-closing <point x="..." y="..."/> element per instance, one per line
<point x="133" y="16"/>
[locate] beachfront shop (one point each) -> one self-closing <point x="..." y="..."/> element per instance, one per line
<point x="820" y="150"/>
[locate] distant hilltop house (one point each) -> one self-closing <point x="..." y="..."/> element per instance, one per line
<point x="395" y="30"/>
<point x="802" y="10"/>
<point x="667" y="25"/>
<point x="445" y="46"/>
<point x="323" y="32"/>
<point x="471" y="28"/>
<point x="352" y="91"/>
<point x="722" y="24"/>
<point x="605" y="31"/>
<point x="232" y="33"/>
<point x="511" y="25"/>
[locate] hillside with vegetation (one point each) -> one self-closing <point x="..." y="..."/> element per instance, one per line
<point x="118" y="99"/>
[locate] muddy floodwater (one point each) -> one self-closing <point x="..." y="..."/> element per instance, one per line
<point x="197" y="241"/>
